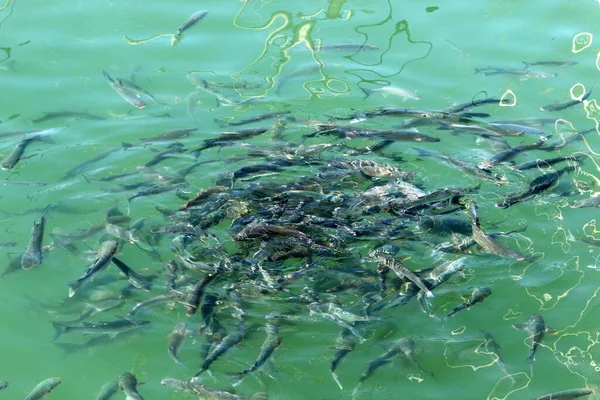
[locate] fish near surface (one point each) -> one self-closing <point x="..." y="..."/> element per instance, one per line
<point x="32" y="257"/>
<point x="43" y="389"/>
<point x="536" y="328"/>
<point x="105" y="254"/>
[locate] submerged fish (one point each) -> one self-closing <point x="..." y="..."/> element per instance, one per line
<point x="129" y="95"/>
<point x="108" y="390"/>
<point x="343" y="345"/>
<point x="3" y="385"/>
<point x="176" y="341"/>
<point x="194" y="387"/>
<point x="111" y="327"/>
<point x="32" y="257"/>
<point x="43" y="389"/>
<point x="128" y="384"/>
<point x="535" y="327"/>
<point x="105" y="253"/>
<point x="479" y="294"/>
<point x="191" y="21"/>
<point x="566" y="395"/>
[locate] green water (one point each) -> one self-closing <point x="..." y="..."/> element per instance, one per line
<point x="53" y="54"/>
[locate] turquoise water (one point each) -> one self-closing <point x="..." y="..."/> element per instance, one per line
<point x="53" y="55"/>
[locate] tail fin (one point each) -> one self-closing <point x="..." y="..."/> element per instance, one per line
<point x="74" y="286"/>
<point x="60" y="330"/>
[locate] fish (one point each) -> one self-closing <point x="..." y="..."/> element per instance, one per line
<point x="105" y="253"/>
<point x="461" y="165"/>
<point x="52" y="115"/>
<point x="13" y="158"/>
<point x="546" y="163"/>
<point x="535" y="327"/>
<point x="128" y="85"/>
<point x="139" y="281"/>
<point x="511" y="153"/>
<point x="344" y="344"/>
<point x="3" y="385"/>
<point x="128" y="384"/>
<point x="395" y="91"/>
<point x="110" y="327"/>
<point x="43" y="388"/>
<point x="492" y="347"/>
<point x="403" y="272"/>
<point x="32" y="257"/>
<point x="566" y="394"/>
<point x="567" y="104"/>
<point x="191" y="21"/>
<point x="524" y="73"/>
<point x="256" y="118"/>
<point x="233" y="338"/>
<point x="487" y="242"/>
<point x="171" y="295"/>
<point x="108" y="390"/>
<point x="406" y="347"/>
<point x="194" y="387"/>
<point x="127" y="94"/>
<point x="166" y="136"/>
<point x="269" y="346"/>
<point x="192" y="300"/>
<point x="479" y="294"/>
<point x="549" y="63"/>
<point x="176" y="340"/>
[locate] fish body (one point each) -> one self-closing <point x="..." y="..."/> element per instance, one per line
<point x="128" y="384"/>
<point x="256" y="118"/>
<point x="546" y="163"/>
<point x="3" y="385"/>
<point x="191" y="21"/>
<point x="15" y="156"/>
<point x="49" y="116"/>
<point x="566" y="395"/>
<point x="479" y="294"/>
<point x="166" y="136"/>
<point x="567" y="104"/>
<point x="108" y="390"/>
<point x="549" y="63"/>
<point x="535" y="327"/>
<point x="110" y="327"/>
<point x="137" y="280"/>
<point x="32" y="257"/>
<point x="43" y="389"/>
<point x="193" y="299"/>
<point x="343" y="346"/>
<point x="176" y="341"/>
<point x="271" y="343"/>
<point x="233" y="338"/>
<point x="193" y="386"/>
<point x="127" y="94"/>
<point x="404" y="272"/>
<point x="396" y="91"/>
<point x="492" y="347"/>
<point x="105" y="254"/>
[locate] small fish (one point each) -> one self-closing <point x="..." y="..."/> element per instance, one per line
<point x="32" y="257"/>
<point x="166" y="136"/>
<point x="271" y="343"/>
<point x="192" y="301"/>
<point x="128" y="384"/>
<point x="129" y="95"/>
<point x="194" y="387"/>
<point x="128" y="85"/>
<point x="139" y="281"/>
<point x="233" y="338"/>
<point x="14" y="157"/>
<point x="256" y="118"/>
<point x="492" y="347"/>
<point x="49" y="116"/>
<point x="344" y="344"/>
<point x="524" y="73"/>
<point x="535" y="327"/>
<point x="43" y="389"/>
<point x="3" y="385"/>
<point x="108" y="390"/>
<point x="566" y="395"/>
<point x="105" y="253"/>
<point x="404" y="272"/>
<point x="549" y="63"/>
<point x="176" y="341"/>
<point x="111" y="327"/>
<point x="191" y="21"/>
<point x="546" y="163"/>
<point x="567" y="104"/>
<point x="487" y="242"/>
<point x="395" y="91"/>
<point x="479" y="294"/>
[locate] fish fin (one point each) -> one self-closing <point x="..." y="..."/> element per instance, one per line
<point x="221" y="123"/>
<point x="520" y="326"/>
<point x="550" y="330"/>
<point x="73" y="287"/>
<point x="527" y="65"/>
<point x="336" y="379"/>
<point x="60" y="330"/>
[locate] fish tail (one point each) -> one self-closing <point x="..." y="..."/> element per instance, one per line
<point x="527" y="65"/>
<point x="221" y="123"/>
<point x="336" y="379"/>
<point x="74" y="286"/>
<point x="60" y="330"/>
<point x="126" y="145"/>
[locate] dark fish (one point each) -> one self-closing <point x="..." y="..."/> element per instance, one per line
<point x="525" y="73"/>
<point x="192" y="301"/>
<point x="460" y="165"/>
<point x="111" y="327"/>
<point x="271" y="343"/>
<point x="78" y="169"/>
<point x="14" y="157"/>
<point x="256" y="118"/>
<point x="108" y="390"/>
<point x="105" y="253"/>
<point x="32" y="257"/>
<point x="511" y="153"/>
<point x="407" y="349"/>
<point x="208" y="308"/>
<point x="3" y="385"/>
<point x="549" y="63"/>
<point x="344" y="344"/>
<point x="139" y="281"/>
<point x="171" y="295"/>
<point x="473" y="103"/>
<point x="203" y="195"/>
<point x="546" y="163"/>
<point x="193" y="19"/>
<point x="478" y="295"/>
<point x="567" y="104"/>
<point x="535" y="187"/>
<point x="233" y="338"/>
<point x="36" y="132"/>
<point x="566" y="395"/>
<point x="128" y="384"/>
<point x="43" y="389"/>
<point x="535" y="327"/>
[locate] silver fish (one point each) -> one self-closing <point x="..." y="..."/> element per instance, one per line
<point x="43" y="388"/>
<point x="128" y="384"/>
<point x="105" y="253"/>
<point x="176" y="341"/>
<point x="32" y="257"/>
